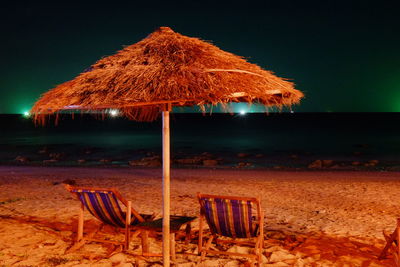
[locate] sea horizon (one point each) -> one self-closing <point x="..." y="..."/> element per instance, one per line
<point x="274" y="140"/>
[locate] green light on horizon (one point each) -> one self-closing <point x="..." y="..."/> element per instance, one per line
<point x="26" y="114"/>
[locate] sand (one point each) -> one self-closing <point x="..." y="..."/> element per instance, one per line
<point x="313" y="218"/>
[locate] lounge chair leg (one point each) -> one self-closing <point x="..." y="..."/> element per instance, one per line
<point x="200" y="244"/>
<point x="258" y="251"/>
<point x="259" y="260"/>
<point x="188" y="231"/>
<point x="208" y="244"/>
<point x="397" y="238"/>
<point x="145" y="242"/>
<point x="80" y="224"/>
<point x="172" y="244"/>
<point x="389" y="241"/>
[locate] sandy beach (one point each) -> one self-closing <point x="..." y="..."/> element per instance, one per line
<point x="312" y="218"/>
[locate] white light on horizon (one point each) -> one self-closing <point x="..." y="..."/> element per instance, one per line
<point x="26" y="114"/>
<point x="114" y="112"/>
<point x="242" y="112"/>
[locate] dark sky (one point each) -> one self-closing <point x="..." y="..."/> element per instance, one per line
<point x="344" y="55"/>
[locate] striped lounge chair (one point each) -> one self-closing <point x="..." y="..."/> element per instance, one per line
<point x="105" y="205"/>
<point x="232" y="219"/>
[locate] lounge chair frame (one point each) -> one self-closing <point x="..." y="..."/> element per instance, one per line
<point x="82" y="240"/>
<point x="257" y="240"/>
<point x="145" y="225"/>
<point x="392" y="243"/>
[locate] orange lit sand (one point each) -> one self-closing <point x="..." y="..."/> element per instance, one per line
<point x="312" y="218"/>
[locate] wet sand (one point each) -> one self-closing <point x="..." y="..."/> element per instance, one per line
<point x="312" y="217"/>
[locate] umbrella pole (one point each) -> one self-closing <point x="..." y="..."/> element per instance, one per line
<point x="166" y="185"/>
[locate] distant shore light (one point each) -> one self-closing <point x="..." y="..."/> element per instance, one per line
<point x="242" y="112"/>
<point x="26" y="114"/>
<point x="114" y="112"/>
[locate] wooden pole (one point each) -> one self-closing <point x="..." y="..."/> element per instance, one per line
<point x="166" y="186"/>
<point x="80" y="223"/>
<point x="127" y="225"/>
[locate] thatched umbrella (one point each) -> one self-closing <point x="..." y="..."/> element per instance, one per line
<point x="163" y="70"/>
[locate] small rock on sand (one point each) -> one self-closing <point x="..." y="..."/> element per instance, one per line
<point x="327" y="163"/>
<point x="189" y="161"/>
<point x="281" y="255"/>
<point x="154" y="161"/>
<point x="317" y="164"/>
<point x="118" y="258"/>
<point x="210" y="162"/>
<point x="22" y="159"/>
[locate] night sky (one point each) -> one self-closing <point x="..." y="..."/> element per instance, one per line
<point x="344" y="55"/>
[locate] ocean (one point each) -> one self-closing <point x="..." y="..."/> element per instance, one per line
<point x="265" y="140"/>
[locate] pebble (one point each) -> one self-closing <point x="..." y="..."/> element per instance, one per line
<point x="118" y="258"/>
<point x="281" y="255"/>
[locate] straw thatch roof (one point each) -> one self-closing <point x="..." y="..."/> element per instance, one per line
<point x="167" y="68"/>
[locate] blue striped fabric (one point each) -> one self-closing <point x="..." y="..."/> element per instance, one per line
<point x="104" y="206"/>
<point x="229" y="217"/>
